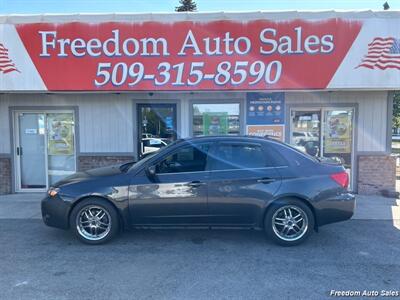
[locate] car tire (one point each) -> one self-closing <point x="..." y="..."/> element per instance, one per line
<point x="295" y="215"/>
<point x="94" y="221"/>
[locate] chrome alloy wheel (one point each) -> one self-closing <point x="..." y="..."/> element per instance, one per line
<point x="93" y="222"/>
<point x="290" y="223"/>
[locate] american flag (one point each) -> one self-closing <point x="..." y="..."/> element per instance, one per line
<point x="383" y="53"/>
<point x="6" y="64"/>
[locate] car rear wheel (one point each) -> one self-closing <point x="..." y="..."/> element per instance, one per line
<point x="94" y="221"/>
<point x="289" y="222"/>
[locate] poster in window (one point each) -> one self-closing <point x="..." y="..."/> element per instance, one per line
<point x="271" y="131"/>
<point x="265" y="108"/>
<point x="338" y="133"/>
<point x="215" y="123"/>
<point x="60" y="134"/>
<point x="169" y="123"/>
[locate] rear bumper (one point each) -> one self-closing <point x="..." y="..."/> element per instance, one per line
<point x="55" y="212"/>
<point x="335" y="209"/>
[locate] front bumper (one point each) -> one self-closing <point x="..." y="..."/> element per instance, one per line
<point x="55" y="212"/>
<point x="335" y="209"/>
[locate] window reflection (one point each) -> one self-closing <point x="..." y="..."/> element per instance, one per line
<point x="216" y="119"/>
<point x="306" y="128"/>
<point x="157" y="127"/>
<point x="60" y="146"/>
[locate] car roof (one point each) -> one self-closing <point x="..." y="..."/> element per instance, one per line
<point x="230" y="137"/>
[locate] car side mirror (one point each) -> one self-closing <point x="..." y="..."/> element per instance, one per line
<point x="151" y="171"/>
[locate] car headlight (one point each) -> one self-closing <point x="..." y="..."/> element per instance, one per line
<point x="53" y="191"/>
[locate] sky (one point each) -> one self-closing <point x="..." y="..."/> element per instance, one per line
<point x="143" y="6"/>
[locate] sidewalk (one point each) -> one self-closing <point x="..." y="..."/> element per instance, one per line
<point x="21" y="206"/>
<point x="377" y="208"/>
<point x="27" y="206"/>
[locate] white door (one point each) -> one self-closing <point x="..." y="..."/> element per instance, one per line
<point x="30" y="151"/>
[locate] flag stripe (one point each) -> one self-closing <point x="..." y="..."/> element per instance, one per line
<point x="379" y="47"/>
<point x="7" y="65"/>
<point x="379" y="39"/>
<point x="10" y="70"/>
<point x="382" y="67"/>
<point x="381" y="60"/>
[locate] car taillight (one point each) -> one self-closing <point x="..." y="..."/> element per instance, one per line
<point x="341" y="178"/>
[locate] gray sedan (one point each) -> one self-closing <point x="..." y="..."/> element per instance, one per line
<point x="223" y="181"/>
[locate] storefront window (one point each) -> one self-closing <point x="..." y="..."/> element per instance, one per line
<point x="156" y="127"/>
<point x="216" y="119"/>
<point x="306" y="128"/>
<point x="60" y="146"/>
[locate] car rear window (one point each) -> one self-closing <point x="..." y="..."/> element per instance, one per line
<point x="239" y="156"/>
<point x="286" y="154"/>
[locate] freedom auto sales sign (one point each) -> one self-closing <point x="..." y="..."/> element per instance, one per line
<point x="188" y="55"/>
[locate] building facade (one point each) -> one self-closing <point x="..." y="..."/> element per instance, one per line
<point x="83" y="91"/>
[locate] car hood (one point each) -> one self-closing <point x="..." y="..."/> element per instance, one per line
<point x="93" y="174"/>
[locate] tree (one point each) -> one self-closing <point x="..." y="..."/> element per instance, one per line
<point x="396" y="110"/>
<point x="186" y="5"/>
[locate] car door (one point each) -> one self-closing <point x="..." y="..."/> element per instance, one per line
<point x="177" y="193"/>
<point x="242" y="181"/>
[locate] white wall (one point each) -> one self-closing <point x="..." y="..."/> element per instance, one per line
<point x="107" y="122"/>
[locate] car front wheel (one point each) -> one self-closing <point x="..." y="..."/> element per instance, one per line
<point x="94" y="221"/>
<point x="289" y="222"/>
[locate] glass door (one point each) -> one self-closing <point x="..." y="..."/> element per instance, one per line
<point x="31" y="149"/>
<point x="325" y="133"/>
<point x="156" y="127"/>
<point x="45" y="149"/>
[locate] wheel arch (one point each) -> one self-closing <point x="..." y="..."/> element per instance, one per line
<point x="292" y="197"/>
<point x="121" y="219"/>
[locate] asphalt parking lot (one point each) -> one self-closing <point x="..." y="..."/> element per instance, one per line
<point x="38" y="262"/>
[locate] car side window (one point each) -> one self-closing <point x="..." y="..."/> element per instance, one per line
<point x="239" y="156"/>
<point x="191" y="158"/>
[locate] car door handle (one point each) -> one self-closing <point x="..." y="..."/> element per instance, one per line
<point x="196" y="183"/>
<point x="265" y="180"/>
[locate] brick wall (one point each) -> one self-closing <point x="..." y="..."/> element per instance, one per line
<point x="91" y="162"/>
<point x="376" y="174"/>
<point x="5" y="175"/>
